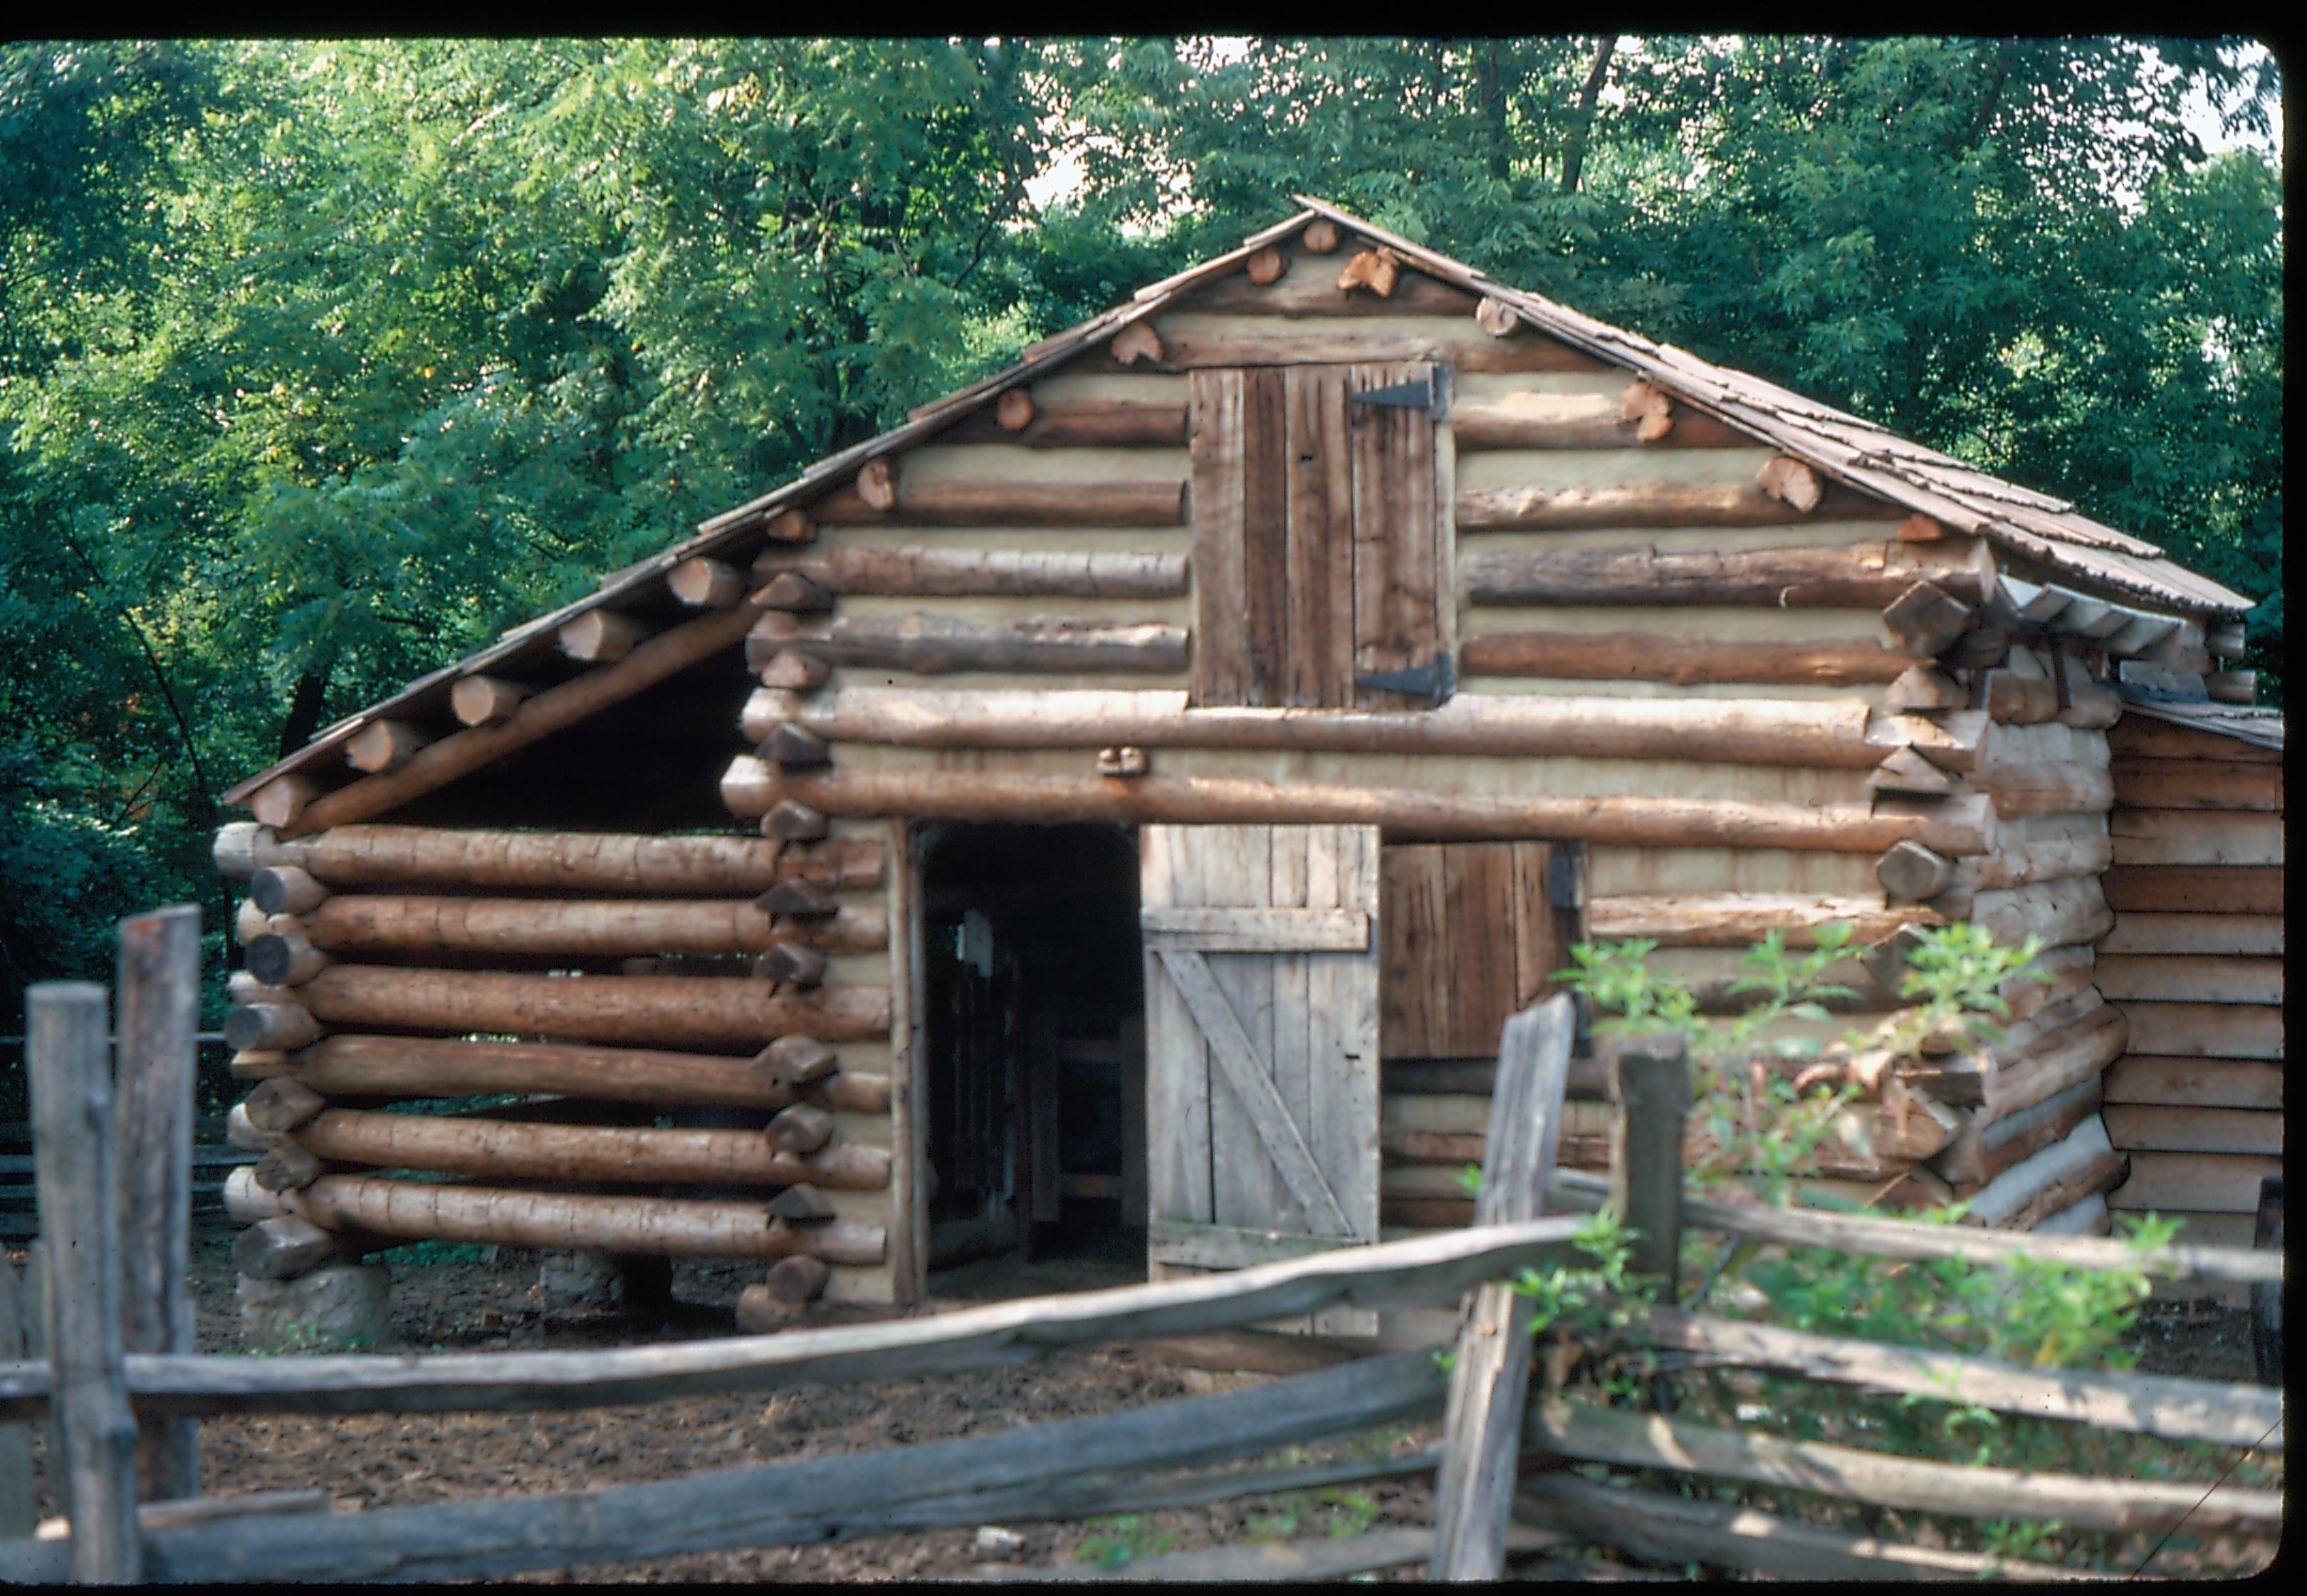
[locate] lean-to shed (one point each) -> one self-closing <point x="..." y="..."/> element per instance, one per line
<point x="1118" y="807"/>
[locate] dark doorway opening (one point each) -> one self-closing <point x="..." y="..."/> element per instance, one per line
<point x="1033" y="1006"/>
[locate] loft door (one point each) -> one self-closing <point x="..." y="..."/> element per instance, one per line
<point x="1321" y="537"/>
<point x="1261" y="1042"/>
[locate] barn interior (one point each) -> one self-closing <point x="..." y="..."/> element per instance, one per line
<point x="1033" y="1085"/>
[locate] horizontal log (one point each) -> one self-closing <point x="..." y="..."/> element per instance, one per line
<point x="2195" y="889"/>
<point x="2059" y="912"/>
<point x="2197" y="784"/>
<point x="286" y="890"/>
<point x="2031" y="864"/>
<point x="414" y="856"/>
<point x="1080" y="423"/>
<point x="995" y="573"/>
<point x="284" y="1246"/>
<point x="2212" y="1030"/>
<point x="624" y="1223"/>
<point x="1013" y="502"/>
<point x="1657" y="504"/>
<point x="1581" y="420"/>
<point x="2194" y="1182"/>
<point x="266" y="1026"/>
<point x="1318" y="294"/>
<point x="1647" y="656"/>
<point x="527" y="1151"/>
<point x="933" y="644"/>
<point x="2023" y="790"/>
<point x="602" y="636"/>
<point x="383" y="746"/>
<point x="672" y="1010"/>
<point x="379" y="922"/>
<point x="1748" y="731"/>
<point x="555" y="709"/>
<point x="2195" y="837"/>
<point x="2173" y="1407"/>
<point x="1860" y="575"/>
<point x="485" y="700"/>
<point x="1679" y="1532"/>
<point x="1200" y="348"/>
<point x="278" y="1106"/>
<point x="1928" y="620"/>
<point x="285" y="958"/>
<point x="282" y="801"/>
<point x="2195" y="1082"/>
<point x="1737" y="920"/>
<point x="2199" y="978"/>
<point x="751" y="787"/>
<point x="363" y="1066"/>
<point x="1883" y="1480"/>
<point x="2138" y="1127"/>
<point x="2138" y="932"/>
<point x="706" y="583"/>
<point x="2146" y="737"/>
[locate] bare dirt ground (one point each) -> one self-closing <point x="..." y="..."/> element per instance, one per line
<point x="376" y="1462"/>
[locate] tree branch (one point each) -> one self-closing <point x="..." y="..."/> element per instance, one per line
<point x="1573" y="157"/>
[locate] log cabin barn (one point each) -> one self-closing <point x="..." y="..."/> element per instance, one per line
<point x="1110" y="816"/>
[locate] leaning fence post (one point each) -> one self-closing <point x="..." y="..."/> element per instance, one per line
<point x="71" y="1109"/>
<point x="1651" y="1080"/>
<point x="1482" y="1441"/>
<point x="159" y="1022"/>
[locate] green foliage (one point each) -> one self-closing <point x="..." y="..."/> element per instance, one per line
<point x="1121" y="1539"/>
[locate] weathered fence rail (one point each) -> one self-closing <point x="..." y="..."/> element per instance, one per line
<point x="1171" y="1453"/>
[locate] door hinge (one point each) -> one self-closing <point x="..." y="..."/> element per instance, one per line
<point x="1424" y="393"/>
<point x="1434" y="682"/>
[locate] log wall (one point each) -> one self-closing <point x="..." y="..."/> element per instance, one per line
<point x="2195" y="963"/>
<point x="1753" y="699"/>
<point x="612" y="981"/>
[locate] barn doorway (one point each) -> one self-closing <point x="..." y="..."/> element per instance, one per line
<point x="1033" y="992"/>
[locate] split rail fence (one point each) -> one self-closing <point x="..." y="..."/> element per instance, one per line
<point x="1500" y="1489"/>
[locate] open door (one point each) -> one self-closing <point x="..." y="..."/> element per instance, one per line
<point x="1261" y="1044"/>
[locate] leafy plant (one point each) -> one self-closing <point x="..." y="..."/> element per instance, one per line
<point x="1121" y="1539"/>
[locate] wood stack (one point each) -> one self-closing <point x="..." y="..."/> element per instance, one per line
<point x="2195" y="963"/>
<point x="379" y="957"/>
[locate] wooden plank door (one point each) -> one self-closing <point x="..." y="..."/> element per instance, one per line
<point x="1321" y="541"/>
<point x="1261" y="1041"/>
<point x="1473" y="934"/>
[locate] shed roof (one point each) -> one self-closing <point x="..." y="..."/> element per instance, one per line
<point x="2258" y="724"/>
<point x="2033" y="526"/>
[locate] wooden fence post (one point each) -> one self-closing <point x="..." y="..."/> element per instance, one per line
<point x="19" y="1501"/>
<point x="1488" y="1381"/>
<point x="72" y="1110"/>
<point x="156" y="1067"/>
<point x="1650" y="1080"/>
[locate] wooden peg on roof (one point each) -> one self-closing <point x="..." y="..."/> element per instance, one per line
<point x="279" y="802"/>
<point x="1920" y="529"/>
<point x="382" y="747"/>
<point x="601" y="636"/>
<point x="1124" y="760"/>
<point x="1014" y="410"/>
<point x="1136" y="342"/>
<point x="1647" y="407"/>
<point x="792" y="526"/>
<point x="1790" y="481"/>
<point x="1266" y="266"/>
<point x="877" y="482"/>
<point x="1320" y="236"/>
<point x="1495" y="317"/>
<point x="704" y="584"/>
<point x="485" y="700"/>
<point x="1376" y="269"/>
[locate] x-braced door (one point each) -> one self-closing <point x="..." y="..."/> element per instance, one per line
<point x="1261" y="1042"/>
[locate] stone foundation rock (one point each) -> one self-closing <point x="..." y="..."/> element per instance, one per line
<point x="337" y="1307"/>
